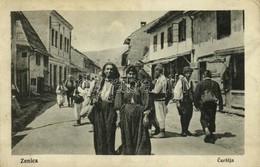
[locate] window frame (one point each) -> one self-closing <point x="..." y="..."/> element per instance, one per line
<point x="162" y="40"/>
<point x="170" y="35"/>
<point x="223" y="21"/>
<point x="155" y="42"/>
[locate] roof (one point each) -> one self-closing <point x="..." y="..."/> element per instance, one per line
<point x="85" y="56"/>
<point x="62" y="19"/>
<point x="32" y="37"/>
<point x="163" y="20"/>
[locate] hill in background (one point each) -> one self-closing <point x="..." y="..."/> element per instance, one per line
<point x="109" y="55"/>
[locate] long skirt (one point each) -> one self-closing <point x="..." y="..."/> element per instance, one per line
<point x="135" y="137"/>
<point x="60" y="99"/>
<point x="104" y="128"/>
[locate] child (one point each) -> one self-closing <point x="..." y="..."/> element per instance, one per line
<point x="60" y="91"/>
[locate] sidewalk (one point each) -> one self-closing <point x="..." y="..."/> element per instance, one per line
<point x="31" y="107"/>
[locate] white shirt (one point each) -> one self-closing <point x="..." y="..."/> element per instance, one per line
<point x="106" y="90"/>
<point x="160" y="85"/>
<point x="178" y="90"/>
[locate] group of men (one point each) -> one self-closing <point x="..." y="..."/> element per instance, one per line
<point x="205" y="98"/>
<point x="70" y="85"/>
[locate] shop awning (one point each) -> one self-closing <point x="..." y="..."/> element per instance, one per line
<point x="166" y="59"/>
<point x="230" y="51"/>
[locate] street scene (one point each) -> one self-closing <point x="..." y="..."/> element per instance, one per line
<point x="53" y="133"/>
<point x="128" y="82"/>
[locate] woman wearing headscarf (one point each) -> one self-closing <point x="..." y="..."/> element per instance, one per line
<point x="135" y="107"/>
<point x="105" y="116"/>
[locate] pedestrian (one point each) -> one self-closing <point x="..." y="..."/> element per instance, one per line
<point x="105" y="114"/>
<point x="60" y="91"/>
<point x="78" y="100"/>
<point x="135" y="106"/>
<point x="183" y="95"/>
<point x="147" y="84"/>
<point x="159" y="93"/>
<point x="85" y="92"/>
<point x="206" y="97"/>
<point x="69" y="84"/>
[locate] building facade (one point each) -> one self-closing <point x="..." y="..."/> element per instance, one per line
<point x="55" y="32"/>
<point x="171" y="42"/>
<point x="204" y="40"/>
<point x="29" y="57"/>
<point x="82" y="65"/>
<point x="139" y="45"/>
<point x="218" y="41"/>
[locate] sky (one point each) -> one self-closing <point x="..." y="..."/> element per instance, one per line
<point x="101" y="30"/>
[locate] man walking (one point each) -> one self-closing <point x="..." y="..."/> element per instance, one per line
<point x="159" y="92"/>
<point x="183" y="95"/>
<point x="206" y="95"/>
<point x="69" y="84"/>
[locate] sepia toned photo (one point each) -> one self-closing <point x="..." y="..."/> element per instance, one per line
<point x="112" y="83"/>
<point x="158" y="83"/>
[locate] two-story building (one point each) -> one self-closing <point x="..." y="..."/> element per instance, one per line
<point x="82" y="65"/>
<point x="55" y="33"/>
<point x="29" y="57"/>
<point x="171" y="42"/>
<point x="212" y="40"/>
<point x="139" y="44"/>
<point x="218" y="42"/>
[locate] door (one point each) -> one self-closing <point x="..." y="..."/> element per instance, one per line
<point x="40" y="84"/>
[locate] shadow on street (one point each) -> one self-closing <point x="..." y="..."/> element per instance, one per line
<point x="17" y="139"/>
<point x="29" y="128"/>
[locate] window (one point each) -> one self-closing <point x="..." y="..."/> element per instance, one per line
<point x="65" y="43"/>
<point x="60" y="73"/>
<point x="169" y="36"/>
<point x="182" y="30"/>
<point x="85" y="63"/>
<point x="45" y="61"/>
<point x="65" y="73"/>
<point x="61" y="41"/>
<point x="56" y="38"/>
<point x="52" y="37"/>
<point x="223" y="24"/>
<point x="38" y="59"/>
<point x="162" y="40"/>
<point x="155" y="43"/>
<point x="50" y="74"/>
<point x="24" y="54"/>
<point x="68" y="45"/>
<point x="33" y="81"/>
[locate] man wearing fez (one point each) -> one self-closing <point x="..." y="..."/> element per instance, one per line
<point x="183" y="95"/>
<point x="159" y="92"/>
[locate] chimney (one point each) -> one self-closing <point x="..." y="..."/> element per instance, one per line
<point x="143" y="23"/>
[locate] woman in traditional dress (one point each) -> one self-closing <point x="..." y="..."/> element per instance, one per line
<point x="60" y="91"/>
<point x="104" y="113"/>
<point x="135" y="107"/>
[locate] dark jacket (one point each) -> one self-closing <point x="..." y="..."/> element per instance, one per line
<point x="207" y="84"/>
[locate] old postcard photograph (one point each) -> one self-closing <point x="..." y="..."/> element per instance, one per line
<point x="107" y="83"/>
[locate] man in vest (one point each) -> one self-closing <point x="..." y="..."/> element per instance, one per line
<point x="159" y="93"/>
<point x="183" y="95"/>
<point x="208" y="107"/>
<point x="69" y="84"/>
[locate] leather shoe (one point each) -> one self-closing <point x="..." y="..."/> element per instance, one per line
<point x="183" y="134"/>
<point x="189" y="133"/>
<point x="160" y="135"/>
